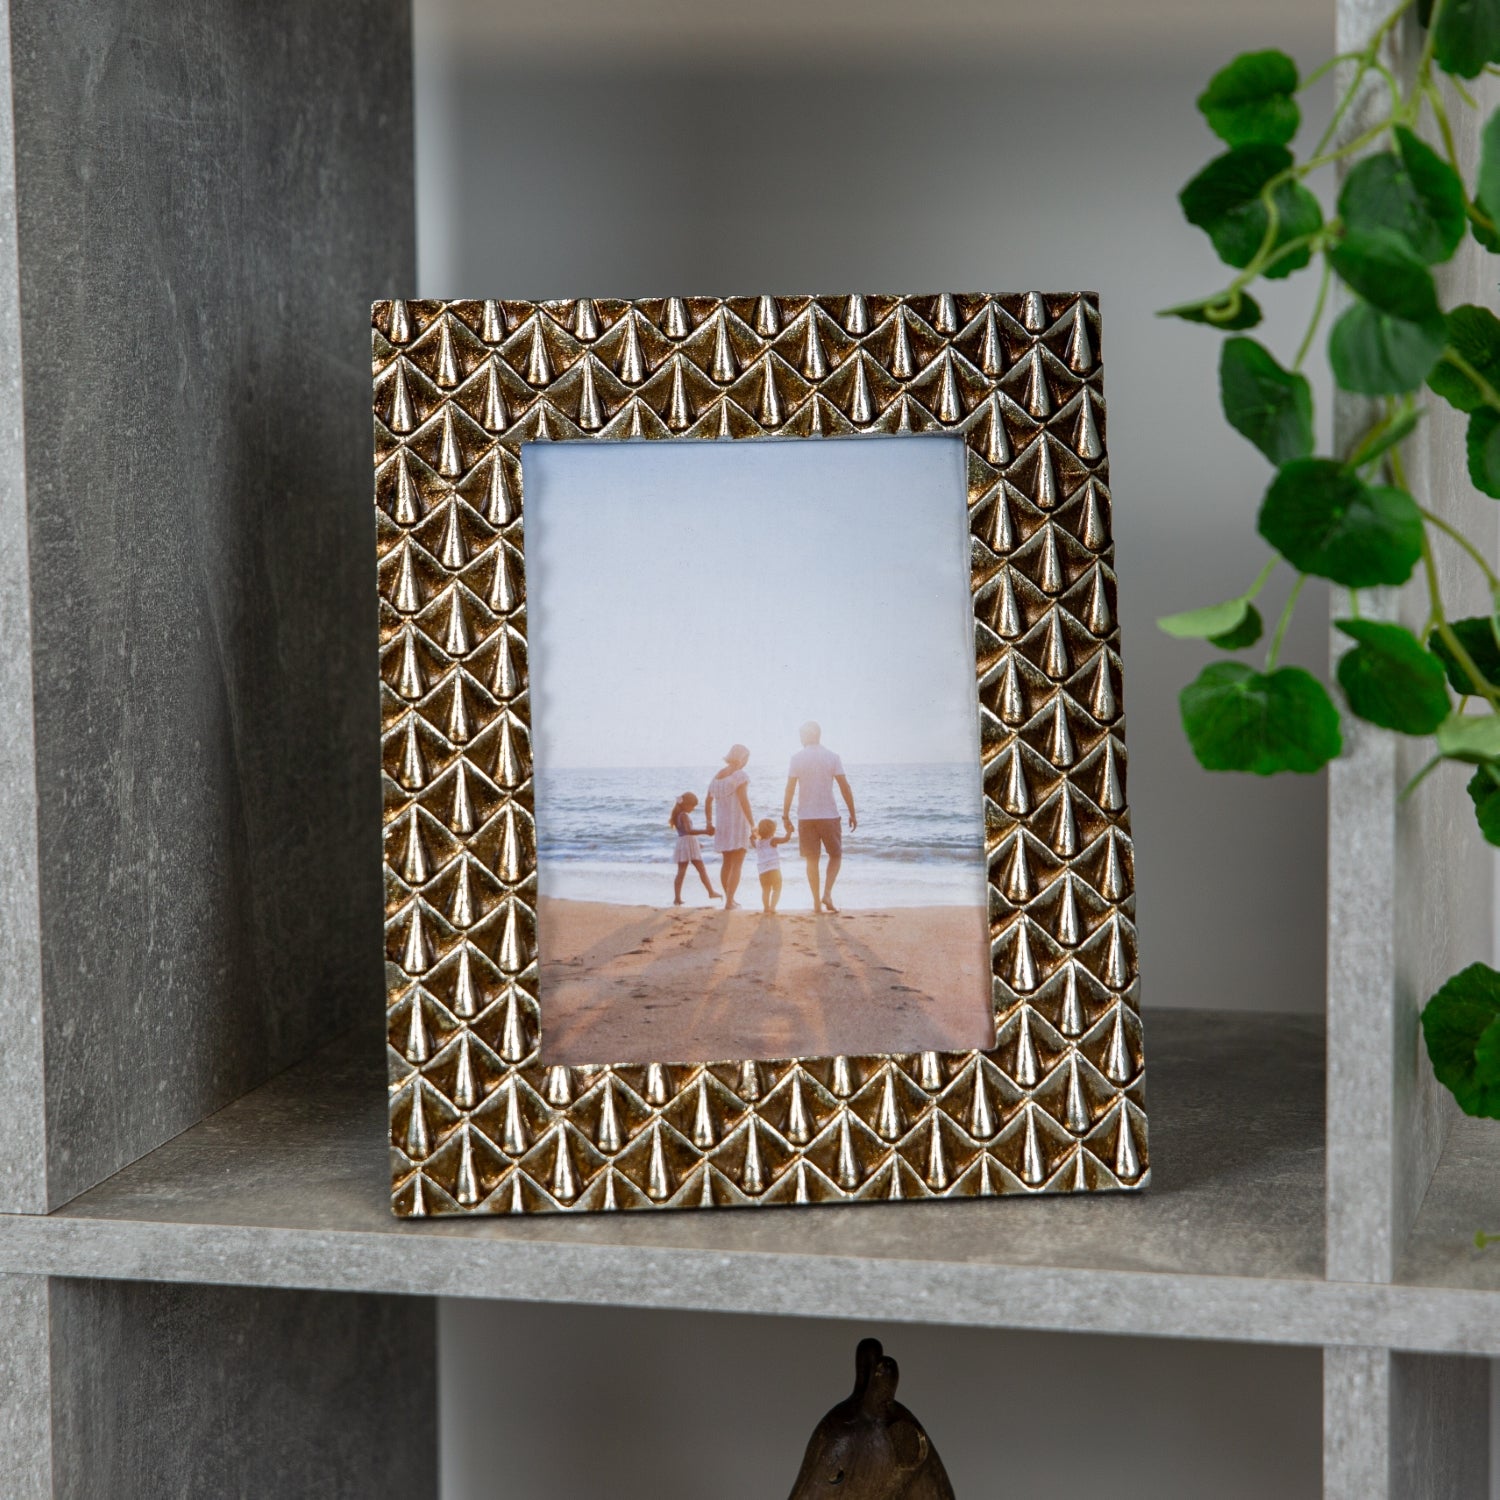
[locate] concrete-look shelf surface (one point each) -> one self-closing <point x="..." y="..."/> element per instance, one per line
<point x="1464" y="1195"/>
<point x="287" y="1187"/>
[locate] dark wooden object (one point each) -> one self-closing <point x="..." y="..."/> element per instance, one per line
<point x="869" y="1447"/>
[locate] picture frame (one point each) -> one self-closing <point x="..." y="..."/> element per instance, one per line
<point x="480" y="1122"/>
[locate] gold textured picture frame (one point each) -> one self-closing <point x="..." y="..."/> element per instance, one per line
<point x="479" y="1123"/>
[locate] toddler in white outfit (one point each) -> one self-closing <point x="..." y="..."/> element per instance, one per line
<point x="768" y="859"/>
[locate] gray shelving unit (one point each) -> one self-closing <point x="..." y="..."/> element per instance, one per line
<point x="201" y="1288"/>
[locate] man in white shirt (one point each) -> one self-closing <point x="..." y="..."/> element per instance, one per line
<point x="812" y="775"/>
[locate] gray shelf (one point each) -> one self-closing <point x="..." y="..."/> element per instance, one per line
<point x="287" y="1187"/>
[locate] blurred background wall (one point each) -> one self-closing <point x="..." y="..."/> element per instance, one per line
<point x="607" y="148"/>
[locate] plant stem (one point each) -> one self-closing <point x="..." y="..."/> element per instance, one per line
<point x="1419" y="778"/>
<point x="1459" y="363"/>
<point x="1260" y="579"/>
<point x="1446" y="632"/>
<point x="1454" y="534"/>
<point x="1286" y="619"/>
<point x="1317" y="316"/>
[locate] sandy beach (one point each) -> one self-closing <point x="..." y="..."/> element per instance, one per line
<point x="697" y="984"/>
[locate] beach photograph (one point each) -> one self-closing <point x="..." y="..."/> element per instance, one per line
<point x="755" y="725"/>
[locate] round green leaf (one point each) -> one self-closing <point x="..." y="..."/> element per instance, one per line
<point x="1251" y="100"/>
<point x="1202" y="624"/>
<point x="1477" y="636"/>
<point x="1474" y="739"/>
<point x="1487" y="179"/>
<point x="1381" y="267"/>
<point x="1483" y="443"/>
<point x="1270" y="406"/>
<point x="1459" y="1025"/>
<point x="1474" y="335"/>
<point x="1238" y="719"/>
<point x="1224" y="200"/>
<point x="1243" y="311"/>
<point x="1412" y="192"/>
<point x="1482" y="227"/>
<point x="1246" y="633"/>
<point x="1325" y="520"/>
<point x="1374" y="354"/>
<point x="1390" y="680"/>
<point x="1467" y="36"/>
<point x="1484" y="792"/>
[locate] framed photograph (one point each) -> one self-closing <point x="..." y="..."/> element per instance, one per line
<point x="753" y="751"/>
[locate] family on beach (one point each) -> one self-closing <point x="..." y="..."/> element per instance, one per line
<point x="812" y="775"/>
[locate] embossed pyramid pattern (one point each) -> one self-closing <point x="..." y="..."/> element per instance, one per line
<point x="478" y="1123"/>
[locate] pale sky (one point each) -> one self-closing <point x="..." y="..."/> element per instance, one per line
<point x="683" y="596"/>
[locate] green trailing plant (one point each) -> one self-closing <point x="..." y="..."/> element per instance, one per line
<point x="1403" y="207"/>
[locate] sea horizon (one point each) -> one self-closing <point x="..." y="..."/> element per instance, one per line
<point x="602" y="835"/>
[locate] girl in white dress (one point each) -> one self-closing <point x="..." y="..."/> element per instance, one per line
<point x="680" y="820"/>
<point x="727" y="812"/>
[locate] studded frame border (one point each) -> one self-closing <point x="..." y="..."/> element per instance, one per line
<point x="479" y="1124"/>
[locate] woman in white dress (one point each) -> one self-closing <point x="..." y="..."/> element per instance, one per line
<point x="727" y="813"/>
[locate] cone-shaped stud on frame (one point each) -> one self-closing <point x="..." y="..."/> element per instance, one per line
<point x="705" y="1126"/>
<point x="675" y="322"/>
<point x="1065" y="825"/>
<point x="1080" y="347"/>
<point x="1018" y="882"/>
<point x="950" y="406"/>
<point x="1096" y="612"/>
<point x="508" y="862"/>
<point x="799" y="1122"/>
<point x="658" y="1085"/>
<point x="771" y="414"/>
<point x="408" y="501"/>
<point x="981" y="1113"/>
<point x="1127" y="1160"/>
<point x="491" y="323"/>
<point x="1055" y="662"/>
<point x="1051" y="577"/>
<point x="512" y="960"/>
<point x="450" y="460"/>
<point x="724" y="366"/>
<point x="564" y="1182"/>
<point x="991" y="350"/>
<point x="461" y="907"/>
<point x="1093" y="532"/>
<point x="464" y="1092"/>
<point x="418" y="1047"/>
<point x="610" y="1136"/>
<point x="514" y="1136"/>
<point x="902" y="363"/>
<point x="411" y="681"/>
<point x="846" y="1172"/>
<point x="415" y="866"/>
<point x="861" y="407"/>
<point x="889" y="1121"/>
<point x="930" y="1072"/>
<point x="1069" y="928"/>
<point x="814" y="360"/>
<point x="632" y="369"/>
<point x="1033" y="313"/>
<point x="499" y="507"/>
<point x="1028" y="1070"/>
<point x="767" y="319"/>
<point x="1008" y="623"/>
<point x="1113" y="884"/>
<point x="751" y="1081"/>
<point x="1086" y="440"/>
<point x="1116" y="965"/>
<point x="679" y="413"/>
<point x="1102" y="694"/>
<point x="468" y="1179"/>
<point x="1071" y="1022"/>
<point x="557" y="1087"/>
<point x="465" y="991"/>
<point x="857" y="317"/>
<point x="513" y="1041"/>
<point x="413" y="765"/>
<point x="842" y="1083"/>
<point x="997" y="450"/>
<point x="1038" y="393"/>
<point x="1012" y="698"/>
<point x="456" y="640"/>
<point x="590" y="413"/>
<point x="403" y="412"/>
<point x="503" y="595"/>
<point x="1060" y="749"/>
<point x="753" y="1177"/>
<point x="453" y="553"/>
<point x="447" y="365"/>
<point x="1111" y="786"/>
<point x="658" y="1175"/>
<point x="1077" y="1109"/>
<point x="1046" y="475"/>
<point x="400" y="322"/>
<point x="1117" y="1055"/>
<point x="461" y="819"/>
<point x="408" y="599"/>
<point x="585" y="322"/>
<point x="538" y="362"/>
<point x="1017" y="796"/>
<point x="418" y="1144"/>
<point x="937" y="1160"/>
<point x="1023" y="971"/>
<point x="1033" y="1165"/>
<point x="1002" y="532"/>
<point x="945" y="318"/>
